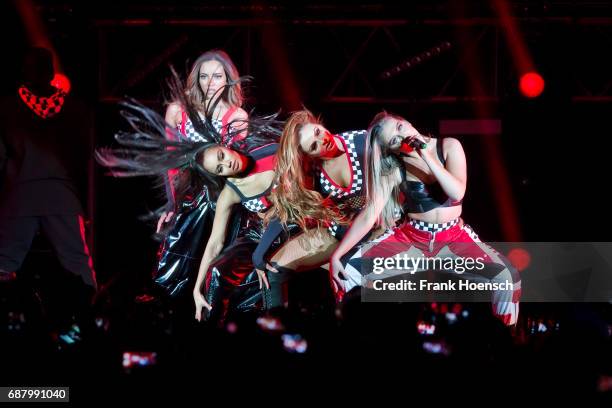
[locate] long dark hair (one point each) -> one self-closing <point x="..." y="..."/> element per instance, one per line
<point x="151" y="147"/>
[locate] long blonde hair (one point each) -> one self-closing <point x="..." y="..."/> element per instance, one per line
<point x="294" y="199"/>
<point x="382" y="173"/>
<point x="232" y="92"/>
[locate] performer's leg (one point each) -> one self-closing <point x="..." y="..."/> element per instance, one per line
<point x="305" y="250"/>
<point x="16" y="235"/>
<point x="463" y="242"/>
<point x="505" y="302"/>
<point x="66" y="233"/>
<point x="353" y="266"/>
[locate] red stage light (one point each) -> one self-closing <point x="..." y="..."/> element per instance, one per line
<point x="532" y="84"/>
<point x="61" y="81"/>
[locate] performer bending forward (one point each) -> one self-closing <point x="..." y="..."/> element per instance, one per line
<point x="432" y="181"/>
<point x="319" y="188"/>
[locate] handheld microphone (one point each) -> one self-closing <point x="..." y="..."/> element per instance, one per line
<point x="411" y="144"/>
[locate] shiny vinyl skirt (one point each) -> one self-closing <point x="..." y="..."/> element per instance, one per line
<point x="180" y="254"/>
<point x="232" y="286"/>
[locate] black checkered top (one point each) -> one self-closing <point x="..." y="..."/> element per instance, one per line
<point x="351" y="197"/>
<point x="258" y="203"/>
<point x="190" y="132"/>
<point x="264" y="160"/>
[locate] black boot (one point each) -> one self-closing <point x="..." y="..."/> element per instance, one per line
<point x="277" y="296"/>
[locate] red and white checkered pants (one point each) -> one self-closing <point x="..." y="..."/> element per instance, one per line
<point x="450" y="240"/>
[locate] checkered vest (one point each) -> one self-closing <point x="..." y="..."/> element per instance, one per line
<point x="351" y="197"/>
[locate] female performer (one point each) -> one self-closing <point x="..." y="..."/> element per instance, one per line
<point x="212" y="95"/>
<point x="242" y="174"/>
<point x="432" y="180"/>
<point x="320" y="188"/>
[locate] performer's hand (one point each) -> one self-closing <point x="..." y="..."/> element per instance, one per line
<point x="414" y="154"/>
<point x="200" y="303"/>
<point x="337" y="272"/>
<point x="429" y="152"/>
<point x="165" y="217"/>
<point x="261" y="275"/>
<point x="263" y="279"/>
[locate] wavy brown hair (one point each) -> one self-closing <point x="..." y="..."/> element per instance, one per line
<point x="294" y="197"/>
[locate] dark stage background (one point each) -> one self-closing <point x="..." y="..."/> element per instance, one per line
<point x="543" y="177"/>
